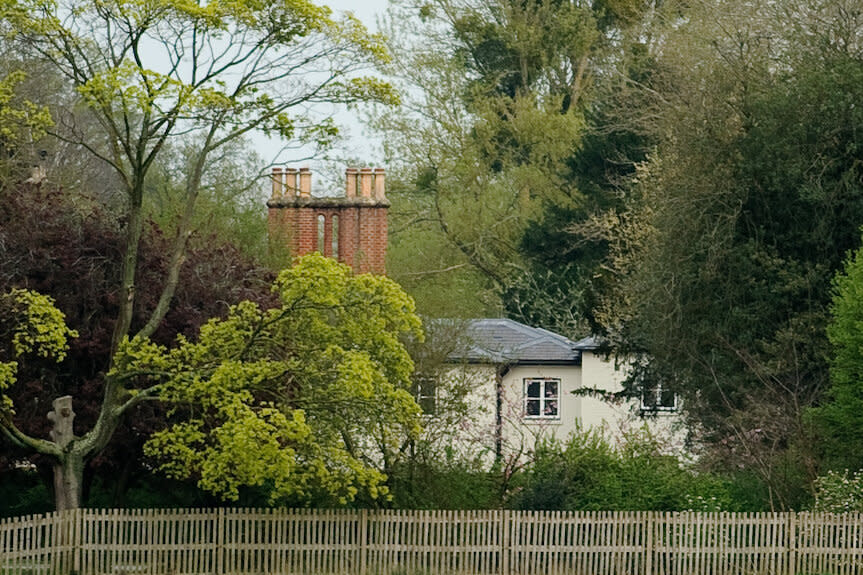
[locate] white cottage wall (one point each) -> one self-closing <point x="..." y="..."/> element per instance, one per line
<point x="521" y="433"/>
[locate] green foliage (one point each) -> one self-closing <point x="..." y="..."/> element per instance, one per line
<point x="840" y="417"/>
<point x="494" y="111"/>
<point x="839" y="493"/>
<point x="232" y="201"/>
<point x="157" y="76"/>
<point x="588" y="472"/>
<point x="32" y="325"/>
<point x="446" y="483"/>
<point x="722" y="255"/>
<point x="23" y="493"/>
<point x="39" y="327"/>
<point x="301" y="399"/>
<point x="21" y="122"/>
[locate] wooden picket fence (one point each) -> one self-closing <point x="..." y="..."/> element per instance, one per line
<point x="283" y="541"/>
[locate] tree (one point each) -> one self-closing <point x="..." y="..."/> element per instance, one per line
<point x="839" y="417"/>
<point x="69" y="246"/>
<point x="735" y="224"/>
<point x="503" y="145"/>
<point x="308" y="399"/>
<point x="153" y="72"/>
<point x="22" y="122"/>
<point x="494" y="109"/>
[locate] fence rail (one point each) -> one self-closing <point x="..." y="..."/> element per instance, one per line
<point x="284" y="541"/>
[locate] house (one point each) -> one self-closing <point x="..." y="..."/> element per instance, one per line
<point x="523" y="384"/>
<point x="502" y="385"/>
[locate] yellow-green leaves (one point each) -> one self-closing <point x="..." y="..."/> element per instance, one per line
<point x="140" y="356"/>
<point x="7" y="378"/>
<point x="20" y="121"/>
<point x="298" y="399"/>
<point x="36" y="327"/>
<point x="154" y="71"/>
<point x="40" y="328"/>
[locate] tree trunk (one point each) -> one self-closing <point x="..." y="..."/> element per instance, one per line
<point x="68" y="478"/>
<point x="69" y="470"/>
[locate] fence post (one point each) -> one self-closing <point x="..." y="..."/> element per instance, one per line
<point x="363" y="542"/>
<point x="792" y="542"/>
<point x="220" y="540"/>
<point x="76" y="538"/>
<point x="504" y="541"/>
<point x="648" y="542"/>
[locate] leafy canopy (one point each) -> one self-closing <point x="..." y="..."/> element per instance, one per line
<point x="32" y="325"/>
<point x="304" y="399"/>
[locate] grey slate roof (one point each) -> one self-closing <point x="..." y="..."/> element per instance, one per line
<point x="507" y="341"/>
<point x="588" y="343"/>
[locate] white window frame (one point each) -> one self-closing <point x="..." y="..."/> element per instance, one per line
<point x="657" y="407"/>
<point x="545" y="401"/>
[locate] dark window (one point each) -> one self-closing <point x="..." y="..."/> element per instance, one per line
<point x="657" y="398"/>
<point x="425" y="393"/>
<point x="542" y="398"/>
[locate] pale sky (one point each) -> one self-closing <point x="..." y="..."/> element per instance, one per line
<point x="365" y="10"/>
<point x="357" y="144"/>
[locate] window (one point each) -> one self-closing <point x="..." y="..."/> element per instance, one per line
<point x="321" y="233"/>
<point x="656" y="398"/>
<point x="425" y="393"/>
<point x="335" y="238"/>
<point x="541" y="398"/>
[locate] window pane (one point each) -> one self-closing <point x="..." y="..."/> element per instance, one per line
<point x="531" y="407"/>
<point x="428" y="405"/>
<point x="335" y="239"/>
<point x="533" y="388"/>
<point x="648" y="398"/>
<point x="550" y="408"/>
<point x="321" y="232"/>
<point x="551" y="389"/>
<point x="666" y="399"/>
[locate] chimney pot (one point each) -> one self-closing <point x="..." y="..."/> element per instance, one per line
<point x="366" y="182"/>
<point x="278" y="183"/>
<point x="291" y="187"/>
<point x="305" y="183"/>
<point x="351" y="182"/>
<point x="380" y="189"/>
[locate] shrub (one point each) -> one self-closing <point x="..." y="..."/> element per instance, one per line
<point x="588" y="472"/>
<point x="839" y="493"/>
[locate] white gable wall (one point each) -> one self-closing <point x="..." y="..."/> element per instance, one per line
<point x="475" y="434"/>
<point x="601" y="373"/>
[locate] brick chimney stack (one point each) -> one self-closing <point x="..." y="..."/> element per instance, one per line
<point x="351" y="228"/>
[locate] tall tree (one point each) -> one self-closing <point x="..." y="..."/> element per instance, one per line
<point x="839" y="417"/>
<point x="69" y="247"/>
<point x="152" y="72"/>
<point x="308" y="399"/>
<point x="491" y="154"/>
<point x="494" y="108"/>
<point x="738" y="220"/>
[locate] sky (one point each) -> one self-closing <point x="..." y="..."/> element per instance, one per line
<point x="365" y="10"/>
<point x="357" y="143"/>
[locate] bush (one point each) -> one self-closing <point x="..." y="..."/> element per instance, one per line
<point x="588" y="472"/>
<point x="838" y="493"/>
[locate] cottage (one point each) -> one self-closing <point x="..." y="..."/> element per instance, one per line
<point x="524" y="383"/>
<point x="511" y="384"/>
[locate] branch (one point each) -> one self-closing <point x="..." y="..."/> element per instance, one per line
<point x="21" y="439"/>
<point x="430" y="272"/>
<point x="148" y="394"/>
